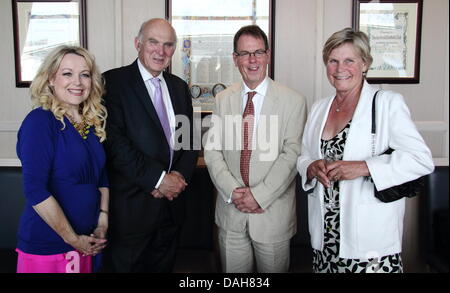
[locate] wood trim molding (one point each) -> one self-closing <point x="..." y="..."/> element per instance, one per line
<point x="10" y="163"/>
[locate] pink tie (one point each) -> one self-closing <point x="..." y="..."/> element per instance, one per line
<point x="162" y="113"/>
<point x="247" y="130"/>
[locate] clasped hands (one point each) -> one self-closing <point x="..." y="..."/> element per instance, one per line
<point x="91" y="245"/>
<point x="338" y="170"/>
<point x="245" y="202"/>
<point x="171" y="186"/>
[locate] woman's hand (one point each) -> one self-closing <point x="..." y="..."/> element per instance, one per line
<point x="346" y="170"/>
<point x="50" y="211"/>
<point x="318" y="170"/>
<point x="87" y="245"/>
<point x="100" y="232"/>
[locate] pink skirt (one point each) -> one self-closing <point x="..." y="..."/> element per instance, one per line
<point x="70" y="262"/>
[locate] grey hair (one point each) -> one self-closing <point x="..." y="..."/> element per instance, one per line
<point x="348" y="35"/>
<point x="140" y="35"/>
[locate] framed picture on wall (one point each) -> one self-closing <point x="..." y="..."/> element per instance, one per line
<point x="41" y="26"/>
<point x="205" y="31"/>
<point x="394" y="28"/>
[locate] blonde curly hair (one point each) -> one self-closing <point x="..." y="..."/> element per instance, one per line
<point x="42" y="94"/>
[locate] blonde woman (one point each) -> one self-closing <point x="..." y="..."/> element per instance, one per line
<point x="65" y="219"/>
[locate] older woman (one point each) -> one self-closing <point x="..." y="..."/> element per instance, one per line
<point x="351" y="230"/>
<point x="59" y="144"/>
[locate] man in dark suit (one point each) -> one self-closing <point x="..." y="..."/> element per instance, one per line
<point x="148" y="169"/>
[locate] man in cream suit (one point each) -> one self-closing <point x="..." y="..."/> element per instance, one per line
<point x="251" y="153"/>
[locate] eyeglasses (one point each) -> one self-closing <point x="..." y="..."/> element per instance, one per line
<point x="247" y="54"/>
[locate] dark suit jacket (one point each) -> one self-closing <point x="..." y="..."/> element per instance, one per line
<point x="138" y="152"/>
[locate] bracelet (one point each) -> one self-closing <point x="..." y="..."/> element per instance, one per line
<point x="103" y="211"/>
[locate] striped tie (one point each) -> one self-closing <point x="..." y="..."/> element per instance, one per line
<point x="248" y="119"/>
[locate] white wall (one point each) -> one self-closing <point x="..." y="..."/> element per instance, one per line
<point x="302" y="27"/>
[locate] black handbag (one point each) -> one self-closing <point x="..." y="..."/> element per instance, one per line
<point x="407" y="189"/>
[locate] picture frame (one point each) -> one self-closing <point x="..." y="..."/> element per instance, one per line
<point x="394" y="28"/>
<point x="205" y="31"/>
<point x="39" y="27"/>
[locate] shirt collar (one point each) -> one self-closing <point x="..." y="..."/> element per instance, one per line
<point x="261" y="89"/>
<point x="145" y="74"/>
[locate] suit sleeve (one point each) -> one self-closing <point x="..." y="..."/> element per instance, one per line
<point x="411" y="158"/>
<point x="123" y="157"/>
<point x="283" y="170"/>
<point x="306" y="158"/>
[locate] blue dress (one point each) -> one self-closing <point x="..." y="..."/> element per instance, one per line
<point x="58" y="163"/>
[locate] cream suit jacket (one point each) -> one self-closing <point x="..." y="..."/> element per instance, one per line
<point x="272" y="164"/>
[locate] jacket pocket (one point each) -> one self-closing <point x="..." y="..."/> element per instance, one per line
<point x="378" y="227"/>
<point x="315" y="221"/>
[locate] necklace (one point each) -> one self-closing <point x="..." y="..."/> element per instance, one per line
<point x="348" y="101"/>
<point x="338" y="107"/>
<point x="82" y="127"/>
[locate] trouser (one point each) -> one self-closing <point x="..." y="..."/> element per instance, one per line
<point x="152" y="252"/>
<point x="238" y="252"/>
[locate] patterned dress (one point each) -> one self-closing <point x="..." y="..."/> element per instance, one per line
<point x="328" y="260"/>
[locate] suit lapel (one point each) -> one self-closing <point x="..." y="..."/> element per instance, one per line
<point x="236" y="101"/>
<point x="359" y="137"/>
<point x="270" y="104"/>
<point x="141" y="92"/>
<point x="172" y="93"/>
<point x="269" y="107"/>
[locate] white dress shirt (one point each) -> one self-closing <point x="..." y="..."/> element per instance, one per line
<point x="258" y="101"/>
<point x="147" y="76"/>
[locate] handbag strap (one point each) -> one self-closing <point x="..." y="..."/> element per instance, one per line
<point x="374" y="123"/>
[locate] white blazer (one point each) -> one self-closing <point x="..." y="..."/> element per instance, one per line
<point x="368" y="227"/>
